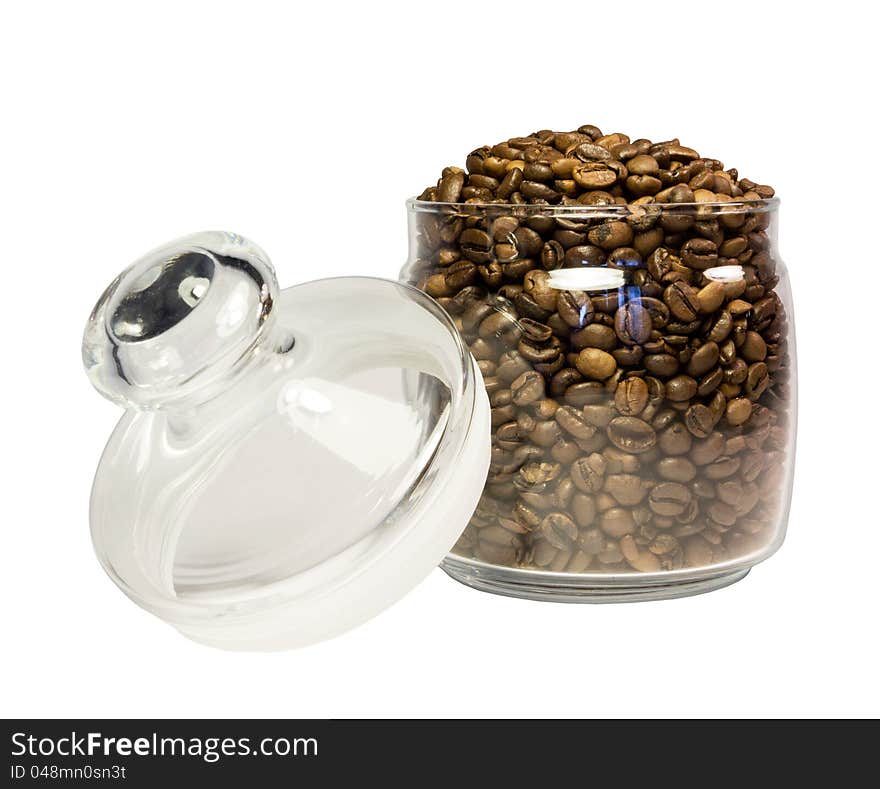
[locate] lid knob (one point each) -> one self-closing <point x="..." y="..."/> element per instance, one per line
<point x="179" y="319"/>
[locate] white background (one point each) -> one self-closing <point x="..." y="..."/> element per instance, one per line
<point x="305" y="126"/>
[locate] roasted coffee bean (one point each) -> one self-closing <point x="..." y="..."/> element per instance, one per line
<point x="581" y="394"/>
<point x="699" y="420"/>
<point x="574" y="307"/>
<point x="573" y="422"/>
<point x="598" y="415"/>
<point x="559" y="530"/>
<point x="538" y="474"/>
<point x="596" y="364"/>
<point x="710" y="382"/>
<point x="630" y="356"/>
<point x="475" y="245"/>
<point x="610" y="235"/>
<point x="722" y="467"/>
<point x="703" y="359"/>
<point x="708" y="450"/>
<point x="583" y="508"/>
<point x="627" y="489"/>
<point x="527" y="307"/>
<point x="593" y="175"/>
<point x="589" y="152"/>
<point x="631" y="434"/>
<point x="588" y="473"/>
<point x="711" y="297"/>
<point x="720" y="327"/>
<point x="617" y="522"/>
<point x="536" y="351"/>
<point x="757" y="380"/>
<point x="753" y="348"/>
<point x="658" y="311"/>
<point x="449" y="189"/>
<point x="583" y="255"/>
<point x="631" y="396"/>
<point x="633" y="324"/>
<point x="552" y="255"/>
<point x="699" y="253"/>
<point x="681" y="388"/>
<point x="682" y="301"/>
<point x="663" y="365"/>
<point x="669" y="498"/>
<point x="738" y="411"/>
<point x="676" y="469"/>
<point x="528" y="388"/>
<point x="536" y="284"/>
<point x="594" y="335"/>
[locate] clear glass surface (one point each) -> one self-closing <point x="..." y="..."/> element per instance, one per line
<point x="277" y="475"/>
<point x="639" y="360"/>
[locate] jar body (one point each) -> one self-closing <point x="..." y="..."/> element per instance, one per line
<point x="640" y="365"/>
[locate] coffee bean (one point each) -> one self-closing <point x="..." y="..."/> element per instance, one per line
<point x="527" y="388"/>
<point x="574" y="307"/>
<point x="711" y="297"/>
<point x="658" y="311"/>
<point x="703" y="359"/>
<point x="708" y="450"/>
<point x="631" y="396"/>
<point x="663" y="365"/>
<point x="681" y="388"/>
<point x="538" y="474"/>
<point x="676" y="469"/>
<point x="583" y="255"/>
<point x="699" y="253"/>
<point x="682" y="301"/>
<point x="594" y="335"/>
<point x="559" y="530"/>
<point x="699" y="420"/>
<point x="573" y="422"/>
<point x="460" y="275"/>
<point x="588" y="473"/>
<point x="596" y="364"/>
<point x="617" y="522"/>
<point x="722" y="467"/>
<point x="643" y="165"/>
<point x="669" y="498"/>
<point x="738" y="411"/>
<point x="753" y="349"/>
<point x="589" y="152"/>
<point x="633" y="324"/>
<point x="581" y="394"/>
<point x="627" y="489"/>
<point x="598" y="415"/>
<point x="757" y="380"/>
<point x="552" y="255"/>
<point x="449" y="189"/>
<point x="475" y="245"/>
<point x="610" y="235"/>
<point x="583" y="508"/>
<point x="593" y="175"/>
<point x="631" y="434"/>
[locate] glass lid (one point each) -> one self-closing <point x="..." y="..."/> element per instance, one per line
<point x="289" y="463"/>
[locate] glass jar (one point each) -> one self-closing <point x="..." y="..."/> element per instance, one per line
<point x="640" y="365"/>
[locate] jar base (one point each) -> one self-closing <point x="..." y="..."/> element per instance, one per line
<point x="568" y="588"/>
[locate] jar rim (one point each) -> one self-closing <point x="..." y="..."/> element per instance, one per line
<point x="416" y="205"/>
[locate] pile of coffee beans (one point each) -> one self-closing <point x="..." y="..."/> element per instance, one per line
<point x="641" y="426"/>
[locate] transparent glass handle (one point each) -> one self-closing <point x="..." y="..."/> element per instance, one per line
<point x="182" y="318"/>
